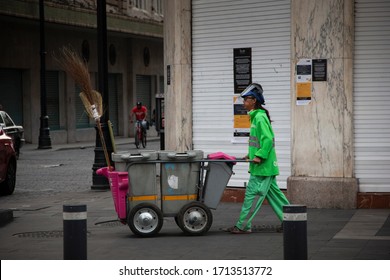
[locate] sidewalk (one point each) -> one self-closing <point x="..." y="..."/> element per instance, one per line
<point x="36" y="233"/>
<point x="36" y="230"/>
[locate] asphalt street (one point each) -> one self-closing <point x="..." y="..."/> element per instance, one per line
<point x="49" y="179"/>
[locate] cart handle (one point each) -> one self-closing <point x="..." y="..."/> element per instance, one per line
<point x="127" y="157"/>
<point x="186" y="161"/>
<point x="225" y="160"/>
<point x="181" y="155"/>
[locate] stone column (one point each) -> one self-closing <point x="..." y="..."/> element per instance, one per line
<point x="177" y="63"/>
<point x="322" y="131"/>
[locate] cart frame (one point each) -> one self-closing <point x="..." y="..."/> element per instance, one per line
<point x="144" y="214"/>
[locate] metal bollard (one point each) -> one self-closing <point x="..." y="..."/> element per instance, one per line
<point x="75" y="232"/>
<point x="295" y="232"/>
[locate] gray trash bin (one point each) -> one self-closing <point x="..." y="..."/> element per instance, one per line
<point x="179" y="179"/>
<point x="120" y="164"/>
<point x="142" y="178"/>
<point x="217" y="177"/>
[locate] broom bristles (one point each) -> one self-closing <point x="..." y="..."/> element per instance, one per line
<point x="76" y="68"/>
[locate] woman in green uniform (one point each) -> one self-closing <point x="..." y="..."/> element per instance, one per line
<point x="263" y="167"/>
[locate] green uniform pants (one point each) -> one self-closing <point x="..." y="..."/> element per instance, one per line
<point x="264" y="187"/>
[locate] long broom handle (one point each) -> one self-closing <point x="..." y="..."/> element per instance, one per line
<point x="103" y="144"/>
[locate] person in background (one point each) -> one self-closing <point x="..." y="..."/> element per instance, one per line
<point x="263" y="166"/>
<point x="139" y="111"/>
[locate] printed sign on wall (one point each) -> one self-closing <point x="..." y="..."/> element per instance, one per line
<point x="304" y="81"/>
<point x="319" y="70"/>
<point x="241" y="122"/>
<point x="242" y="61"/>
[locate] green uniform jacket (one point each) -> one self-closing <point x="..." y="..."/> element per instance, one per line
<point x="262" y="145"/>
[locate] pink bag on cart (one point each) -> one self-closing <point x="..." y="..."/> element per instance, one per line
<point x="221" y="155"/>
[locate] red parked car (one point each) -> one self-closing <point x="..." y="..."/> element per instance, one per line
<point x="16" y="132"/>
<point x="7" y="164"/>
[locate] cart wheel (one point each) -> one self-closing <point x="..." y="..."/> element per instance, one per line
<point x="178" y="223"/>
<point x="195" y="218"/>
<point x="177" y="220"/>
<point x="145" y="219"/>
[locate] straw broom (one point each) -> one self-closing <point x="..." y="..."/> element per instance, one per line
<point x="92" y="100"/>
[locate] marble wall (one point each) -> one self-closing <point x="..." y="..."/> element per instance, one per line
<point x="177" y="61"/>
<point x="322" y="131"/>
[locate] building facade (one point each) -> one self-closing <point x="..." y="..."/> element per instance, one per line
<point x="135" y="62"/>
<point x="325" y="69"/>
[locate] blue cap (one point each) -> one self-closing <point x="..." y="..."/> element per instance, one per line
<point x="256" y="91"/>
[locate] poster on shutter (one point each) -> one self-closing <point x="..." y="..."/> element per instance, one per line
<point x="304" y="81"/>
<point x="241" y="122"/>
<point x="242" y="64"/>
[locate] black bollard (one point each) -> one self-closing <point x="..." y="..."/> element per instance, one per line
<point x="295" y="232"/>
<point x="75" y="232"/>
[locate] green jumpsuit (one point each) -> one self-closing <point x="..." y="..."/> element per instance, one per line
<point x="262" y="181"/>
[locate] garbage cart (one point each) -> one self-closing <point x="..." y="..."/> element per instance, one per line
<point x="187" y="188"/>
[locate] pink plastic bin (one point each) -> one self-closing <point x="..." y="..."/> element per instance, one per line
<point x="119" y="184"/>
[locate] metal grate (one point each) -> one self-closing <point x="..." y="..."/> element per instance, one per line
<point x="43" y="234"/>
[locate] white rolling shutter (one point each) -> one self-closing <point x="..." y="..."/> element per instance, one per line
<point x="372" y="95"/>
<point x="218" y="27"/>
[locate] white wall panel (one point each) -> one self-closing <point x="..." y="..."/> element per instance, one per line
<point x="219" y="26"/>
<point x="372" y="95"/>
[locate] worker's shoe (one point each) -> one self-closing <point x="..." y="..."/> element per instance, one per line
<point x="236" y="230"/>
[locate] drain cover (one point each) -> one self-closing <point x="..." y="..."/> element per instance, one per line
<point x="267" y="228"/>
<point x="112" y="223"/>
<point x="42" y="234"/>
